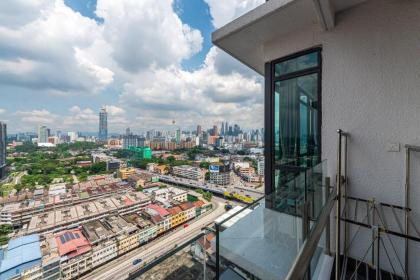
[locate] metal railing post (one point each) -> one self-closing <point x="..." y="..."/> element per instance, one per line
<point x="376" y="243"/>
<point x="217" y="226"/>
<point x="338" y="210"/>
<point x="407" y="205"/>
<point x="327" y="226"/>
<point x="305" y="230"/>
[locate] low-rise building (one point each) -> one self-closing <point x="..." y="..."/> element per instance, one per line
<point x="189" y="210"/>
<point x="126" y="233"/>
<point x="147" y="229"/>
<point x="189" y="172"/>
<point x="75" y="252"/>
<point x="21" y="259"/>
<point x="103" y="252"/>
<point x="160" y="217"/>
<point x="177" y="216"/>
<point x="124" y="173"/>
<point x="171" y="193"/>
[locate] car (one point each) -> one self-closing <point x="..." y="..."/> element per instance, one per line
<point x="186" y="225"/>
<point x="137" y="261"/>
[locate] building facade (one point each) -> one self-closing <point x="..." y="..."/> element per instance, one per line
<point x="3" y="146"/>
<point x="103" y="124"/>
<point x="188" y="172"/>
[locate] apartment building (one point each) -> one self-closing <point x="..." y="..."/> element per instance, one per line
<point x="188" y="172"/>
<point x="351" y="66"/>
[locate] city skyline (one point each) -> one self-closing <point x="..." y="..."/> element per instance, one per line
<point x="69" y="76"/>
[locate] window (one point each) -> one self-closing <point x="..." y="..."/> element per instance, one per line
<point x="293" y="116"/>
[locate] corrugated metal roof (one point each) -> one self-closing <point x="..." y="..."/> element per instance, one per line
<point x="21" y="253"/>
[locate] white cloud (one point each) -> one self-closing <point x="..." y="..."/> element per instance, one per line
<point x="40" y="117"/>
<point x="223" y="12"/>
<point x="46" y="52"/>
<point x="146" y="33"/>
<point x="2" y="111"/>
<point x="114" y="110"/>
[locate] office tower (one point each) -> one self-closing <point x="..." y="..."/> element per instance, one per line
<point x="43" y="134"/>
<point x="127" y="131"/>
<point x="215" y="130"/>
<point x="103" y="124"/>
<point x="226" y="128"/>
<point x="198" y="130"/>
<point x="3" y="144"/>
<point x="178" y="136"/>
<point x="222" y="129"/>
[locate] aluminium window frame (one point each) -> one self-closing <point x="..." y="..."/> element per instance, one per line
<point x="269" y="118"/>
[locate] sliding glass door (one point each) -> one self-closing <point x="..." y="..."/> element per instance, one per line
<point x="295" y="116"/>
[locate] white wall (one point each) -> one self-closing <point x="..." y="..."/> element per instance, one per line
<point x="371" y="89"/>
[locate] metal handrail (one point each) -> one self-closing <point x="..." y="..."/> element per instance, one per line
<point x="303" y="259"/>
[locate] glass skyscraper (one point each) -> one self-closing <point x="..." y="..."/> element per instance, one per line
<point x="3" y="136"/>
<point x="103" y="124"/>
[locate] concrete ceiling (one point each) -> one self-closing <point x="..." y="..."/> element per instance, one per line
<point x="244" y="37"/>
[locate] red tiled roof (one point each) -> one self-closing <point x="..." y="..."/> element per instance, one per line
<point x="71" y="243"/>
<point x="161" y="211"/>
<point x="186" y="205"/>
<point x="174" y="210"/>
<point x="198" y="203"/>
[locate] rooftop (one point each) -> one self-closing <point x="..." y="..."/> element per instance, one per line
<point x="21" y="253"/>
<point x="72" y="243"/>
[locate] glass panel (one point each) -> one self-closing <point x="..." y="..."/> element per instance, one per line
<point x="264" y="239"/>
<point x="296" y="64"/>
<point x="191" y="260"/>
<point x="296" y="117"/>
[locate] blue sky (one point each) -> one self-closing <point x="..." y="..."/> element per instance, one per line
<point x="148" y="61"/>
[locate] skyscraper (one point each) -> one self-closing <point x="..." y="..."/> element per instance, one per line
<point x="43" y="134"/>
<point x="103" y="124"/>
<point x="3" y="134"/>
<point x="198" y="130"/>
<point x="222" y="129"/>
<point x="178" y="136"/>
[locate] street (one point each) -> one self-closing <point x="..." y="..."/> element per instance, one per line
<point x="122" y="266"/>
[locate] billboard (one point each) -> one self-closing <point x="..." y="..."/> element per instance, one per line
<point x="214" y="168"/>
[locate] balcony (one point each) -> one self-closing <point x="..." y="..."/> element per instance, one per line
<point x="264" y="239"/>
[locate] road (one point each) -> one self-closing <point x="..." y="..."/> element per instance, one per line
<point x="122" y="266"/>
<point x="241" y="189"/>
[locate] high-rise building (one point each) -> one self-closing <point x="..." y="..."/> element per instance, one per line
<point x="3" y="144"/>
<point x="222" y="129"/>
<point x="127" y="131"/>
<point x="178" y="136"/>
<point x="103" y="124"/>
<point x="43" y="134"/>
<point x="199" y="130"/>
<point x="215" y="130"/>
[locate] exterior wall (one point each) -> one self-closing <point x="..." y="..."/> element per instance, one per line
<point x="76" y="266"/>
<point x="147" y="234"/>
<point x="127" y="242"/>
<point x="181" y="197"/>
<point x="104" y="252"/>
<point x="370" y="88"/>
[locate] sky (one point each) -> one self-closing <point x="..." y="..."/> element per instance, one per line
<point x="148" y="62"/>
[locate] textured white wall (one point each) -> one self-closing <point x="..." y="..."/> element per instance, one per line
<point x="371" y="89"/>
